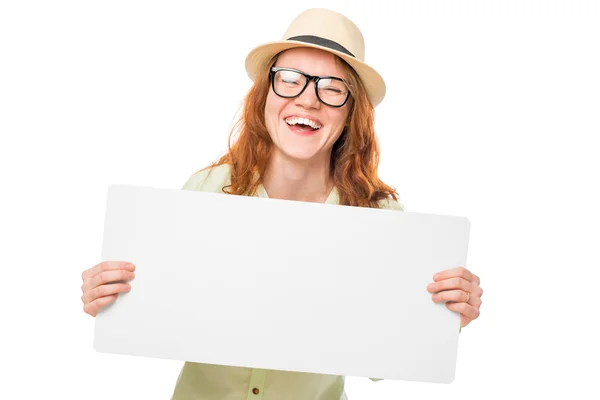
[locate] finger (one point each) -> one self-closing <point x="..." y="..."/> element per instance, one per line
<point x="451" y="295"/>
<point x="89" y="274"/>
<point x="105" y="290"/>
<point x="449" y="284"/>
<point x="469" y="311"/>
<point x="475" y="279"/>
<point x="106" y="266"/>
<point x="477" y="290"/>
<point x="98" y="304"/>
<point x="460" y="272"/>
<point x="110" y="276"/>
<point x="474" y="299"/>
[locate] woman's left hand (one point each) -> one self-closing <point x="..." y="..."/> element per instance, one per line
<point x="460" y="289"/>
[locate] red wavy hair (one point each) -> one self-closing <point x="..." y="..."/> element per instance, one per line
<point x="354" y="156"/>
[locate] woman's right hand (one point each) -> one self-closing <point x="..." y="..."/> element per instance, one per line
<point x="102" y="284"/>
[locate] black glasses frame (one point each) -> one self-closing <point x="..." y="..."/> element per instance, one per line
<point x="309" y="78"/>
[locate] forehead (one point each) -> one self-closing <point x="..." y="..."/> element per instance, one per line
<point x="312" y="61"/>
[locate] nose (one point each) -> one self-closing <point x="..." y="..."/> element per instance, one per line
<point x="308" y="98"/>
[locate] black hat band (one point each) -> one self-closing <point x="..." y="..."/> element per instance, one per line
<point x="322" y="42"/>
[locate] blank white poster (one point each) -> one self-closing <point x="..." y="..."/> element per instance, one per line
<point x="277" y="284"/>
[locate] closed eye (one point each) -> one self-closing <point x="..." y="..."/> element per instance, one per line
<point x="333" y="90"/>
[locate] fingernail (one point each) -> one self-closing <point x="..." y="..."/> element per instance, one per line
<point x="431" y="286"/>
<point x="436" y="276"/>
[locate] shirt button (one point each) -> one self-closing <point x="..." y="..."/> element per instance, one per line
<point x="255" y="391"/>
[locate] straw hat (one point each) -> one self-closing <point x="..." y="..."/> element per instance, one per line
<point x="326" y="30"/>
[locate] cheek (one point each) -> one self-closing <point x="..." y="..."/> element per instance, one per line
<point x="273" y="108"/>
<point x="339" y="122"/>
<point x="268" y="108"/>
<point x="335" y="136"/>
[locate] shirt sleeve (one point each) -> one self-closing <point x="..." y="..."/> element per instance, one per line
<point x="195" y="181"/>
<point x="391" y="204"/>
<point x="211" y="179"/>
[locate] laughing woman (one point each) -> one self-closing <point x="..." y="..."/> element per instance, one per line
<point x="306" y="134"/>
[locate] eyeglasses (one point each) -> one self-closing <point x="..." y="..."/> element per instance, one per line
<point x="290" y="83"/>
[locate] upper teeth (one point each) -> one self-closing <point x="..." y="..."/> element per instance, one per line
<point x="305" y="121"/>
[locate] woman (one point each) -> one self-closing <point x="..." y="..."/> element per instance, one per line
<point x="306" y="134"/>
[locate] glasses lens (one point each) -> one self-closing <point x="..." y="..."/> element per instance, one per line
<point x="333" y="91"/>
<point x="288" y="83"/>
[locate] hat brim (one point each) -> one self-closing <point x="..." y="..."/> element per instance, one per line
<point x="258" y="58"/>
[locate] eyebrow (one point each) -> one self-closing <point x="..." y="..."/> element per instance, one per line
<point x="319" y="76"/>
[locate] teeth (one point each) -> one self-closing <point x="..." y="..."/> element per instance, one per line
<point x="304" y="121"/>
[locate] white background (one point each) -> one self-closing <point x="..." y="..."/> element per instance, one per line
<point x="492" y="112"/>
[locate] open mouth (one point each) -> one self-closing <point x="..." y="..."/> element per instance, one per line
<point x="303" y="124"/>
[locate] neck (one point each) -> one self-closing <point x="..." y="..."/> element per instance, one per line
<point x="290" y="179"/>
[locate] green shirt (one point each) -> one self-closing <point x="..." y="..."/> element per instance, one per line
<point x="199" y="381"/>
